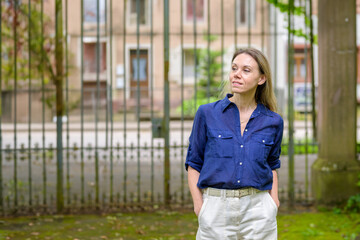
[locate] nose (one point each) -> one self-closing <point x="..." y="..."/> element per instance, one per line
<point x="237" y="73"/>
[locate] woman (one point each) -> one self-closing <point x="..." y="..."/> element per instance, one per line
<point x="233" y="153"/>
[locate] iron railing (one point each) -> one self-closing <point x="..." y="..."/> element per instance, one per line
<point x="125" y="143"/>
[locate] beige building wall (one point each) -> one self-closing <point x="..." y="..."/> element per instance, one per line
<point x="124" y="39"/>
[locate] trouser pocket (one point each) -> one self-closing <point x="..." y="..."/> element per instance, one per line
<point x="203" y="207"/>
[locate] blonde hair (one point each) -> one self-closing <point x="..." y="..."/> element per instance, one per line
<point x="264" y="93"/>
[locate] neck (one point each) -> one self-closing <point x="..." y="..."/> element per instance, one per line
<point x="243" y="102"/>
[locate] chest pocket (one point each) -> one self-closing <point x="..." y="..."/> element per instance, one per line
<point x="264" y="143"/>
<point x="221" y="143"/>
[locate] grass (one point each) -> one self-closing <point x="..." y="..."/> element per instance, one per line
<point x="169" y="225"/>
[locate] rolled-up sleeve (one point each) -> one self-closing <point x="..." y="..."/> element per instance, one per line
<point x="274" y="155"/>
<point x="197" y="142"/>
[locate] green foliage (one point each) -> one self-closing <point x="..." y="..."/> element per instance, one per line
<point x="209" y="69"/>
<point x="299" y="147"/>
<point x="297" y="11"/>
<point x="189" y="105"/>
<point x="284" y="7"/>
<point x="16" y="43"/>
<point x="353" y="203"/>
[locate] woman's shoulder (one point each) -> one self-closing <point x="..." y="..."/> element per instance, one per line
<point x="274" y="115"/>
<point x="210" y="106"/>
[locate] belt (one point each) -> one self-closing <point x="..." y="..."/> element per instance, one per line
<point x="231" y="192"/>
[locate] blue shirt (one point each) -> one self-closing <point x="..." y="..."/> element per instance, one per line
<point x="227" y="160"/>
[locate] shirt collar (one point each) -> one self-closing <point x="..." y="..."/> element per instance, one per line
<point x="225" y="103"/>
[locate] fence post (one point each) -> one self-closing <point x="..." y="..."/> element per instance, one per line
<point x="1" y="176"/>
<point x="166" y="106"/>
<point x="335" y="172"/>
<point x="59" y="103"/>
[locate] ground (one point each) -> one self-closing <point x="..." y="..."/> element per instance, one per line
<point x="304" y="223"/>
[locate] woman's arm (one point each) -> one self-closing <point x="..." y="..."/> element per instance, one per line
<point x="196" y="194"/>
<point x="274" y="191"/>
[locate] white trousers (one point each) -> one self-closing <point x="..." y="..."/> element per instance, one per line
<point x="249" y="217"/>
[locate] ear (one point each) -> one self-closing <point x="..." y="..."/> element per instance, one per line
<point x="262" y="80"/>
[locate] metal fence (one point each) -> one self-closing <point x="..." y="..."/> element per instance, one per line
<point x="98" y="96"/>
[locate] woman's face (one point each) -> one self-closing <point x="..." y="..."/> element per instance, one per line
<point x="245" y="75"/>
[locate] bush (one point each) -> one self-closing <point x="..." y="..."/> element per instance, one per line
<point x="353" y="204"/>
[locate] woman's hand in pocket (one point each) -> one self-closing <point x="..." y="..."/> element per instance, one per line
<point x="197" y="207"/>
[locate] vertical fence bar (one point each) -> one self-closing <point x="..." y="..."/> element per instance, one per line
<point x="59" y="55"/>
<point x="313" y="89"/>
<point x="97" y="103"/>
<point x="291" y="190"/>
<point x="182" y="98"/>
<point x="248" y="18"/>
<point x="306" y="106"/>
<point x="166" y="105"/>
<point x="222" y="38"/>
<point x="195" y="53"/>
<point x="262" y="25"/>
<point x="152" y="96"/>
<point x="44" y="190"/>
<point x="235" y="23"/>
<point x="138" y="97"/>
<point x="208" y="52"/>
<point x="107" y="103"/>
<point x="82" y="178"/>
<point x="124" y="96"/>
<point x="29" y="99"/>
<point x="67" y="106"/>
<point x="15" y="103"/>
<point x="111" y="111"/>
<point x="1" y="149"/>
<point x="275" y="51"/>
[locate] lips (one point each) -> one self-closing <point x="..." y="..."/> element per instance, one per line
<point x="236" y="83"/>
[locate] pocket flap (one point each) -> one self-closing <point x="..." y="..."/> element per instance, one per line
<point x="263" y="139"/>
<point x="221" y="134"/>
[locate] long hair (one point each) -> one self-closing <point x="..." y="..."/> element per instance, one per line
<point x="264" y="93"/>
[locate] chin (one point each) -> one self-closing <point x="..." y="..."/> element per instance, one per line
<point x="236" y="90"/>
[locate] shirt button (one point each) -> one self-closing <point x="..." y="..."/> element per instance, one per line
<point x="241" y="146"/>
<point x="263" y="141"/>
<point x="219" y="136"/>
<point x="246" y="130"/>
<point x="240" y="163"/>
<point x="238" y="181"/>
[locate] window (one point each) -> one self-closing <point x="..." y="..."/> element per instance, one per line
<point x="199" y="9"/>
<point x="90" y="63"/>
<point x="189" y="63"/>
<point x="139" y="73"/>
<point x="243" y="12"/>
<point x="90" y="11"/>
<point x="143" y="10"/>
<point x="299" y="66"/>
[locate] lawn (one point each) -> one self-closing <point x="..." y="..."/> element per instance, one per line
<point x="169" y="225"/>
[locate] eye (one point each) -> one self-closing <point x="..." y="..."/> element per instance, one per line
<point x="233" y="68"/>
<point x="246" y="70"/>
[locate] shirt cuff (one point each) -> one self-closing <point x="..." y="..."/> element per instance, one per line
<point x="275" y="164"/>
<point x="195" y="166"/>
